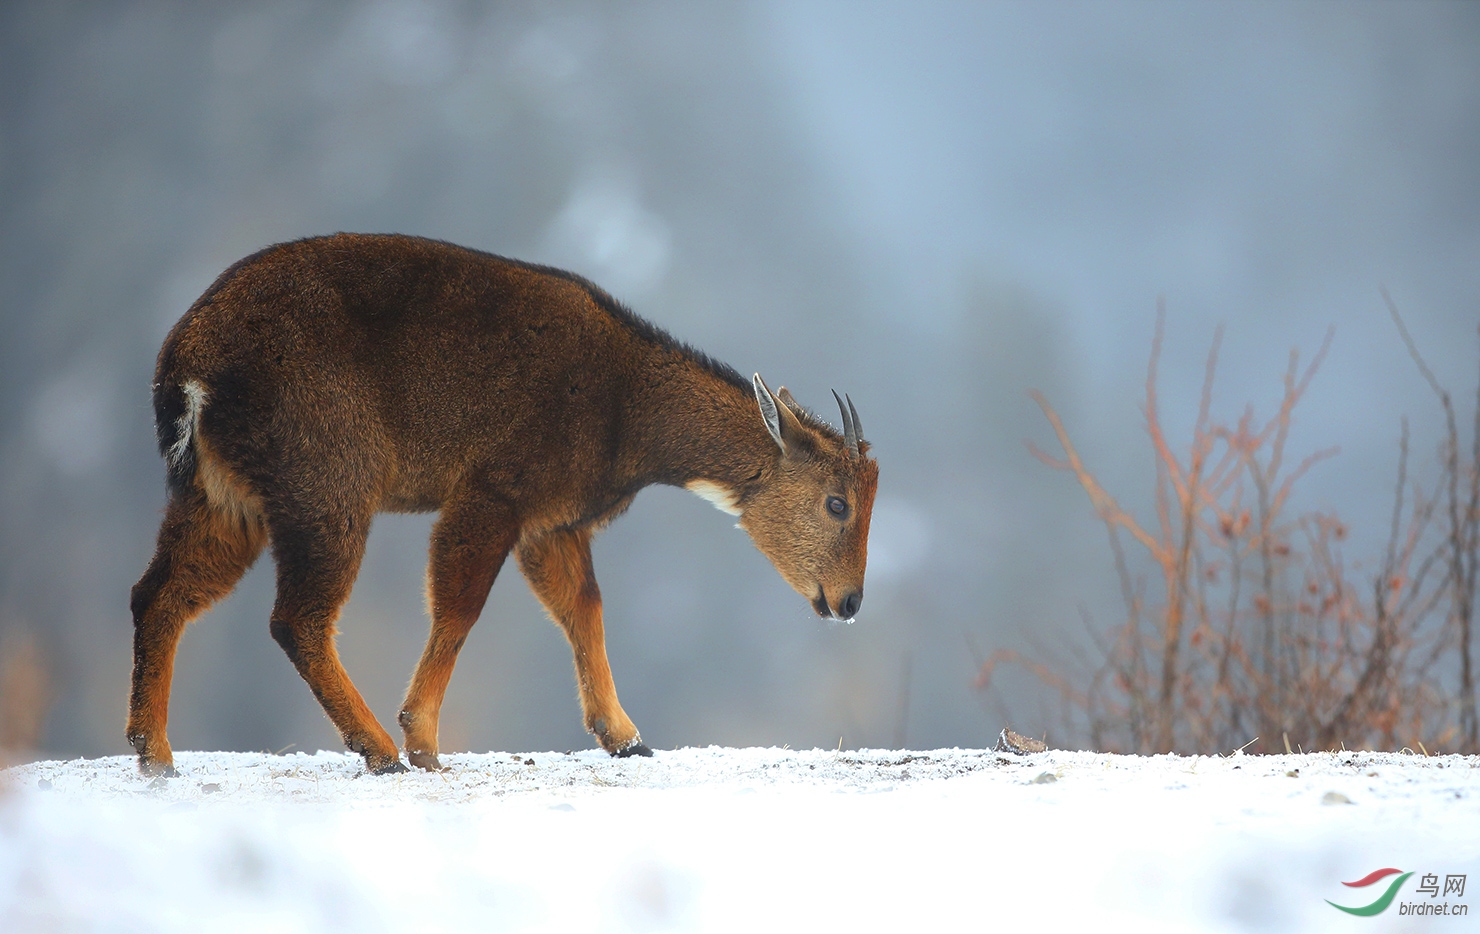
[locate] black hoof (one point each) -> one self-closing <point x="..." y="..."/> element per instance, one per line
<point x="157" y="772"/>
<point x="390" y="768"/>
<point x="636" y="749"/>
<point x="149" y="766"/>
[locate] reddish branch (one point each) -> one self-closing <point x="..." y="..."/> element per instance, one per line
<point x="1304" y="659"/>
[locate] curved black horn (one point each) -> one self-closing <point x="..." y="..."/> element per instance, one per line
<point x="850" y="426"/>
<point x="857" y="425"/>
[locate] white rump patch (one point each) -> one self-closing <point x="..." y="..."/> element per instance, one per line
<point x="188" y="423"/>
<point x="723" y="499"/>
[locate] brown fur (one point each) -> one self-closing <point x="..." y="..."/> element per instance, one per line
<point x="322" y="381"/>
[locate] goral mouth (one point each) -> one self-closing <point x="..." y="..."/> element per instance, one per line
<point x="819" y="603"/>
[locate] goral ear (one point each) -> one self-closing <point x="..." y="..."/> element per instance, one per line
<point x="780" y="421"/>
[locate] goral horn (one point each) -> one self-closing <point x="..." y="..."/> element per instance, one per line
<point x="850" y="425"/>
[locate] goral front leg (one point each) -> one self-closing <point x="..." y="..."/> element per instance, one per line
<point x="558" y="568"/>
<point x="469" y="544"/>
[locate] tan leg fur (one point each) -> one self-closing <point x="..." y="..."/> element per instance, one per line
<point x="558" y="567"/>
<point x="202" y="552"/>
<point x="469" y="545"/>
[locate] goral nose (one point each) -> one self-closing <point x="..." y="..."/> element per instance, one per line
<point x="848" y="607"/>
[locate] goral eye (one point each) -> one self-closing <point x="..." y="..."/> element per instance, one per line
<point x="837" y="506"/>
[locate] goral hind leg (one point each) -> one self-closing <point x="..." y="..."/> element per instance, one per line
<point x="202" y="553"/>
<point x="317" y="560"/>
<point x="469" y="544"/>
<point x="558" y="568"/>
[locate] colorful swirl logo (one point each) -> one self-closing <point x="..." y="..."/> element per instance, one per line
<point x="1383" y="901"/>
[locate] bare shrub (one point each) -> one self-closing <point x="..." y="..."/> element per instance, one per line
<point x="1460" y="540"/>
<point x="1255" y="627"/>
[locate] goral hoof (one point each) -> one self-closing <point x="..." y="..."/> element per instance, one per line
<point x="636" y="749"/>
<point x="390" y="768"/>
<point x="149" y="768"/>
<point x="424" y="760"/>
<point x="151" y="764"/>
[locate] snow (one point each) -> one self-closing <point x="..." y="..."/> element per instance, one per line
<point x="728" y="840"/>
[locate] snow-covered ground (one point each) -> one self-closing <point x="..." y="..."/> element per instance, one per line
<point x="735" y="840"/>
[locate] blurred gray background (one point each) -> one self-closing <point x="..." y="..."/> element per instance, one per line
<point x="933" y="207"/>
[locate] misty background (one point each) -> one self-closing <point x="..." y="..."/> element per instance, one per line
<point x="932" y="207"/>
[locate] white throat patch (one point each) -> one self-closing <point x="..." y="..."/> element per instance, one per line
<point x="722" y="498"/>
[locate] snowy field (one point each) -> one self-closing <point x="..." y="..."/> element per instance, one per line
<point x="735" y="840"/>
